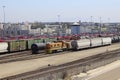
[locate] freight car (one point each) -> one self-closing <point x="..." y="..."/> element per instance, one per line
<point x="32" y="41"/>
<point x="80" y="44"/>
<point x="20" y="45"/>
<point x="16" y="45"/>
<point x="88" y="43"/>
<point x="115" y="39"/>
<point x="3" y="47"/>
<point x="36" y="47"/>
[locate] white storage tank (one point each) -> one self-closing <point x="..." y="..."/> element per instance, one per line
<point x="3" y="47"/>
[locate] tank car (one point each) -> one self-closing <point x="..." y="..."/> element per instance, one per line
<point x="80" y="44"/>
<point x="96" y="42"/>
<point x="106" y="41"/>
<point x="119" y="38"/>
<point x="115" y="39"/>
<point x="36" y="47"/>
<point x="3" y="47"/>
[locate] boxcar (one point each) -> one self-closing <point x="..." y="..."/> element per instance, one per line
<point x="38" y="40"/>
<point x="17" y="45"/>
<point x="32" y="41"/>
<point x="51" y="39"/>
<point x="29" y="43"/>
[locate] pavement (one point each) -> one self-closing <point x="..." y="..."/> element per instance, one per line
<point x="107" y="72"/>
<point x="19" y="67"/>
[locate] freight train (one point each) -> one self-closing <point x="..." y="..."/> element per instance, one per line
<point x="74" y="44"/>
<point x="21" y="45"/>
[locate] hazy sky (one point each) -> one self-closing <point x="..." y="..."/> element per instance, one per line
<point x="69" y="10"/>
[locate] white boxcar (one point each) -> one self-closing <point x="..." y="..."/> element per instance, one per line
<point x="107" y="41"/>
<point x="96" y="42"/>
<point x="3" y="47"/>
<point x="80" y="44"/>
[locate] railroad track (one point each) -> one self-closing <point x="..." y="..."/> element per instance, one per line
<point x="18" y="56"/>
<point x="51" y="69"/>
<point x="12" y="55"/>
<point x="26" y="55"/>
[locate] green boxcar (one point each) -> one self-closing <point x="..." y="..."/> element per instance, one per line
<point x="49" y="39"/>
<point x="32" y="41"/>
<point x="22" y="44"/>
<point x="52" y="39"/>
<point x="29" y="43"/>
<point x="38" y="40"/>
<point x="17" y="45"/>
<point x="46" y="40"/>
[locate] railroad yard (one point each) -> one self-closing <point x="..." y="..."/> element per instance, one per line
<point x="59" y="40"/>
<point x="61" y="65"/>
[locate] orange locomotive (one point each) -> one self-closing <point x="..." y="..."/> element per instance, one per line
<point x="54" y="47"/>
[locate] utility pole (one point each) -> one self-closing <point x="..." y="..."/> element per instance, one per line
<point x="3" y="21"/>
<point x="58" y="24"/>
<point x="100" y="25"/>
<point x="4" y="13"/>
<point x="91" y="17"/>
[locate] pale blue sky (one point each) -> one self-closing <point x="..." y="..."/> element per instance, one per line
<point x="69" y="10"/>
